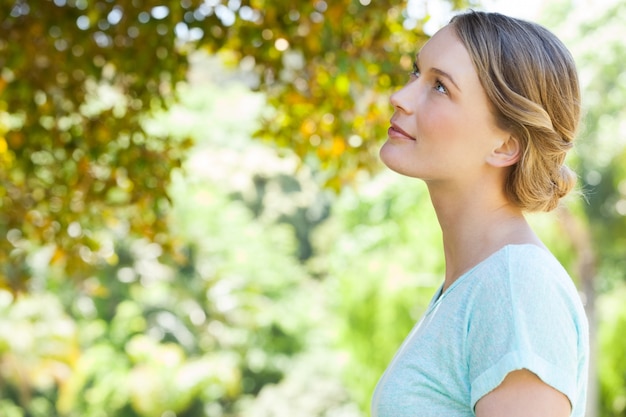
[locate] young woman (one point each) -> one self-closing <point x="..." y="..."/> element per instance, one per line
<point x="486" y="119"/>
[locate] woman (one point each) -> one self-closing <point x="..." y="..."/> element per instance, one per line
<point x="486" y="120"/>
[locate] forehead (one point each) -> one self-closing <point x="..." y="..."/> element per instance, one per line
<point x="445" y="52"/>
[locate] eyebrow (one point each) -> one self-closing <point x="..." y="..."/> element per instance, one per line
<point x="438" y="72"/>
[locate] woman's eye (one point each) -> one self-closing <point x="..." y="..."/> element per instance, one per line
<point x="440" y="87"/>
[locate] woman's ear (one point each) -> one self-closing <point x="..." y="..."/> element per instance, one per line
<point x="506" y="154"/>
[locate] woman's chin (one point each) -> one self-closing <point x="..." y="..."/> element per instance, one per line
<point x="392" y="156"/>
<point x="397" y="161"/>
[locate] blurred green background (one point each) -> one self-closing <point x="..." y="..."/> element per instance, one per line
<point x="194" y="221"/>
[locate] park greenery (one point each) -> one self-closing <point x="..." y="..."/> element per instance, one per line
<point x="194" y="222"/>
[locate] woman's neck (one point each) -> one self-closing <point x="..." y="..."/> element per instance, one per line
<point x="475" y="225"/>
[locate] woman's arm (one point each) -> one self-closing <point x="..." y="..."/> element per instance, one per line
<point x="523" y="394"/>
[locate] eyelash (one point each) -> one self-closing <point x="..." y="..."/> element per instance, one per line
<point x="438" y="83"/>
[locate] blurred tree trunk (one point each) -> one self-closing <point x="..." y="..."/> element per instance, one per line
<point x="580" y="236"/>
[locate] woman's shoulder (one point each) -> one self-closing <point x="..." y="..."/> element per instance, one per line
<point x="529" y="260"/>
<point x="524" y="274"/>
<point x="535" y="265"/>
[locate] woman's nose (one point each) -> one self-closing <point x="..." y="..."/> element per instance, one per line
<point x="400" y="100"/>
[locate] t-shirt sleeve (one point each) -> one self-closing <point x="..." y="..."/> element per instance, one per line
<point x="523" y="318"/>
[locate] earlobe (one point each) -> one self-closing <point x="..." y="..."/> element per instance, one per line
<point x="507" y="154"/>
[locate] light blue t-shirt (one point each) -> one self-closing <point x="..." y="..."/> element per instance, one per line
<point x="518" y="309"/>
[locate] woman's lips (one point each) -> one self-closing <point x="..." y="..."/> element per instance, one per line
<point x="397" y="133"/>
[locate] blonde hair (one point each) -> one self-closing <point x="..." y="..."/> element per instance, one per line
<point x="531" y="80"/>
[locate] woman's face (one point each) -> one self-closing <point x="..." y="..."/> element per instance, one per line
<point x="442" y="128"/>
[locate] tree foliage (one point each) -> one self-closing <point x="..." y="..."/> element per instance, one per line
<point x="199" y="331"/>
<point x="80" y="77"/>
<point x="603" y="150"/>
<point x="77" y="80"/>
